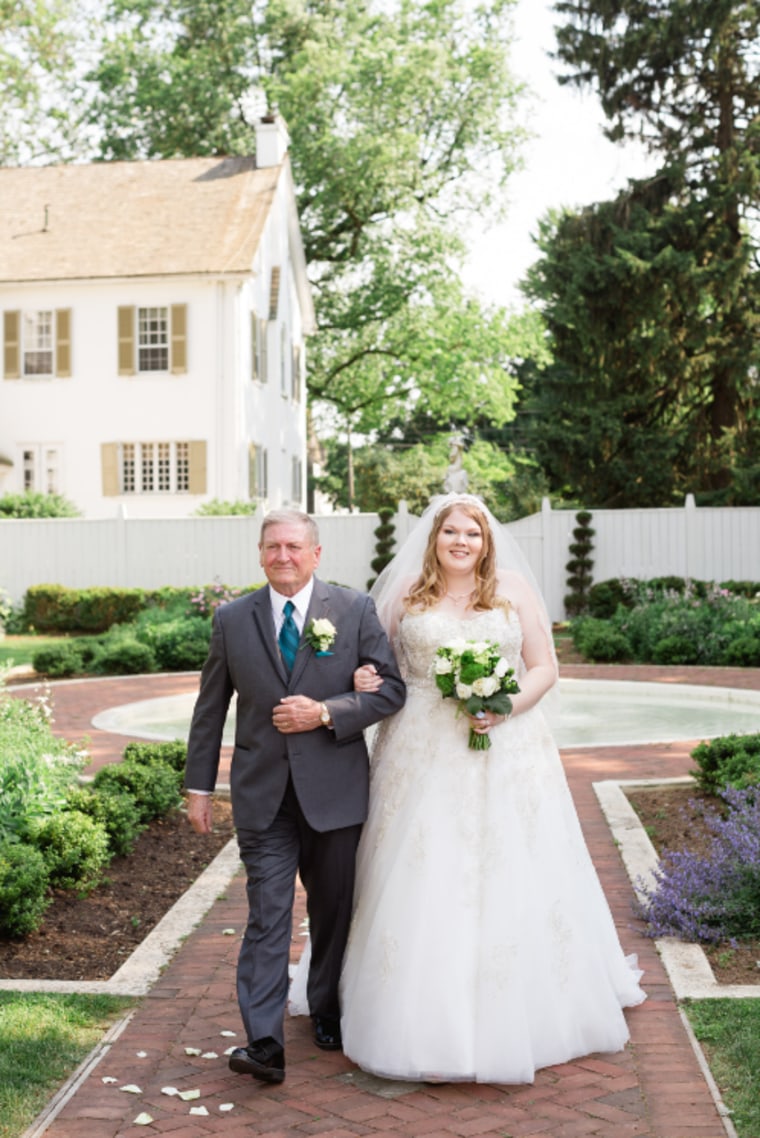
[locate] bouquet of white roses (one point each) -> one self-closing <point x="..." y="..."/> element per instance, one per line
<point x="475" y="673"/>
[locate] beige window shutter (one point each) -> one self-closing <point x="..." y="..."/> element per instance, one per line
<point x="11" y="345"/>
<point x="179" y="339"/>
<point x="63" y="342"/>
<point x="198" y="467"/>
<point x="126" y="323"/>
<point x="109" y="469"/>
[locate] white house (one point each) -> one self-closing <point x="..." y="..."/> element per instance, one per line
<point x="153" y="322"/>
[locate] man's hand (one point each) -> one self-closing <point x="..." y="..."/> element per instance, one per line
<point x="297" y="713"/>
<point x="200" y="812"/>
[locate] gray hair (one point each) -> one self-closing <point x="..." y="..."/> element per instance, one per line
<point x="291" y="517"/>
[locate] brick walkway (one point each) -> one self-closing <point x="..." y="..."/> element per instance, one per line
<point x="654" y="1088"/>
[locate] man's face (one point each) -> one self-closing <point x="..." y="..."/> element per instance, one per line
<point x="288" y="558"/>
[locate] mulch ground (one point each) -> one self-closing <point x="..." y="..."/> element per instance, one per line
<point x="89" y="938"/>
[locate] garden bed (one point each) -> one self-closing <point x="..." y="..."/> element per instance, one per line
<point x="89" y="938"/>
<point x="672" y="816"/>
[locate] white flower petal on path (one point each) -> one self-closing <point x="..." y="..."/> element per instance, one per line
<point x="198" y="1110"/>
<point x="169" y="1091"/>
<point x="143" y="1119"/>
<point x="229" y="1034"/>
<point x="226" y="1106"/>
<point x="186" y="1096"/>
<point x="230" y="1050"/>
<point x="132" y="1089"/>
<point x="209" y="1055"/>
<point x="141" y="1054"/>
<point x="228" y="932"/>
<point x="192" y="1051"/>
<point x="109" y="1079"/>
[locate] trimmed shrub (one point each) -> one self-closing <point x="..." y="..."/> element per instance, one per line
<point x="598" y="642"/>
<point x="174" y="753"/>
<point x="154" y="786"/>
<point x="731" y="760"/>
<point x="59" y="660"/>
<point x="115" y="810"/>
<point x="75" y="849"/>
<point x="55" y="608"/>
<point x="579" y="567"/>
<point x="605" y="596"/>
<point x="675" y="650"/>
<point x="23" y="888"/>
<point x="180" y="645"/>
<point x="743" y="652"/>
<point x="123" y="656"/>
<point x="385" y="534"/>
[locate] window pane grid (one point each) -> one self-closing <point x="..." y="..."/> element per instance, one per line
<point x="153" y="339"/>
<point x="38" y="343"/>
<point x="183" y="466"/>
<point x="151" y="468"/>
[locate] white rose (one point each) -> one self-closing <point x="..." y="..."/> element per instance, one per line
<point x="323" y="628"/>
<point x="464" y="691"/>
<point x="443" y="666"/>
<point x="502" y="667"/>
<point x="485" y="686"/>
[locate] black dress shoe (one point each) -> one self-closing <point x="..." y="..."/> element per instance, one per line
<point x="327" y="1033"/>
<point x="264" y="1060"/>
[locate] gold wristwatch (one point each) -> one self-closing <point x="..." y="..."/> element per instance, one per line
<point x="324" y="715"/>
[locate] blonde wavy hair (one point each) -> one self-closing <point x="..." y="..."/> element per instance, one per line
<point x="430" y="586"/>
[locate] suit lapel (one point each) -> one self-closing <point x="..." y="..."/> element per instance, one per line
<point x="262" y="616"/>
<point x="319" y="606"/>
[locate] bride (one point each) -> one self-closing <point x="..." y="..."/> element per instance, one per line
<point x="482" y="947"/>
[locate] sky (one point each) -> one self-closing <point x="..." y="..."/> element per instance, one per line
<point x="569" y="162"/>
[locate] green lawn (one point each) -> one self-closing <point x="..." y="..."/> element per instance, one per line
<point x="15" y="650"/>
<point x="729" y="1032"/>
<point x="43" y="1039"/>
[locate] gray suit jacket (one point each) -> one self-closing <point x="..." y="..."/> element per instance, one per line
<point x="329" y="768"/>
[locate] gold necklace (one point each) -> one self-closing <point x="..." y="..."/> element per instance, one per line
<point x="457" y="597"/>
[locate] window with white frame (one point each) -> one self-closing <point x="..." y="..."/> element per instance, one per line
<point x="258" y="472"/>
<point x="41" y="469"/>
<point x="296" y="479"/>
<point x="38" y="334"/>
<point x="296" y="372"/>
<point x="153" y="339"/>
<point x="284" y="361"/>
<point x="154" y="467"/>
<point x="258" y="348"/>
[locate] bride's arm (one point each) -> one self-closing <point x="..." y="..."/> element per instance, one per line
<point x="538" y="651"/>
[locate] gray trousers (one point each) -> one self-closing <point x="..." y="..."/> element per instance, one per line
<point x="325" y="863"/>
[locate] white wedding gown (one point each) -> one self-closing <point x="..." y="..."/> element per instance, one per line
<point x="482" y="946"/>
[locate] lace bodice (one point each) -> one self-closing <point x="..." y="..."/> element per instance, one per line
<point x="420" y="634"/>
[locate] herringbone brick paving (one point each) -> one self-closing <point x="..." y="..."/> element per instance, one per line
<point x="655" y="1088"/>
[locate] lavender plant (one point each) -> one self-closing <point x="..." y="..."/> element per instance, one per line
<point x="714" y="896"/>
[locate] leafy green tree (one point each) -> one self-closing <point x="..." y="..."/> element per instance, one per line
<point x="39" y="63"/>
<point x="394" y="110"/>
<point x="511" y="484"/>
<point x="684" y="79"/>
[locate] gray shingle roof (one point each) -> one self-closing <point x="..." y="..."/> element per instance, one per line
<point x="132" y="219"/>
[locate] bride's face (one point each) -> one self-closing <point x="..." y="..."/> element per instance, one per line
<point x="459" y="543"/>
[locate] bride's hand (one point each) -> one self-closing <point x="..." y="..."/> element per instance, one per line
<point x="483" y="721"/>
<point x="367" y="678"/>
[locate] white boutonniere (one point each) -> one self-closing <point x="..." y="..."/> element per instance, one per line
<point x="320" y="635"/>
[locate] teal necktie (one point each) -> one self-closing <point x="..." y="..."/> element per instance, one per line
<point x="289" y="637"/>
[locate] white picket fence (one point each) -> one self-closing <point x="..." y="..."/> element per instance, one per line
<point x="710" y="544"/>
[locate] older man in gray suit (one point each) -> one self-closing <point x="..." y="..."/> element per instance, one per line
<point x="299" y="775"/>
